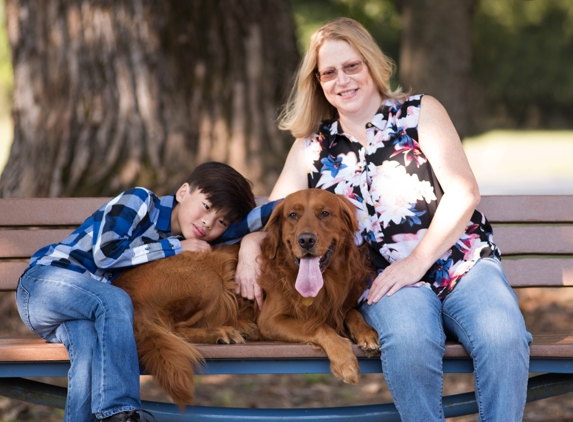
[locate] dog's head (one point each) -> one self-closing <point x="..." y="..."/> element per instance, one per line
<point x="311" y="226"/>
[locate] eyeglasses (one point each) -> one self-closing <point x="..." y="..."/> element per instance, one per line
<point x="351" y="68"/>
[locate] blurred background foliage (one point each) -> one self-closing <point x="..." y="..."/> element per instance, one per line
<point x="521" y="60"/>
<point x="521" y="65"/>
<point x="5" y="65"/>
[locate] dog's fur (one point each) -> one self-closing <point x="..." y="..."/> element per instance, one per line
<point x="316" y="223"/>
<point x="189" y="298"/>
<point x="184" y="299"/>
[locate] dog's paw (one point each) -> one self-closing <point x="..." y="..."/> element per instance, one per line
<point x="348" y="370"/>
<point x="250" y="331"/>
<point x="316" y="346"/>
<point x="367" y="340"/>
<point x="228" y="335"/>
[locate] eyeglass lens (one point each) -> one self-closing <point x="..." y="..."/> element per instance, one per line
<point x="349" y="69"/>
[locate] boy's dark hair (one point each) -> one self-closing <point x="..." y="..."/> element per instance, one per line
<point x="225" y="188"/>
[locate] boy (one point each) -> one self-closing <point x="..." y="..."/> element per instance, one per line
<point x="66" y="294"/>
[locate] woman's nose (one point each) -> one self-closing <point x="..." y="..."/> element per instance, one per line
<point x="342" y="78"/>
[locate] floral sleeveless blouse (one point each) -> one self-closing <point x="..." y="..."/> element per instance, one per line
<point x="395" y="192"/>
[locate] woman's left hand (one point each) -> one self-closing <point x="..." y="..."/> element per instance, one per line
<point x="401" y="273"/>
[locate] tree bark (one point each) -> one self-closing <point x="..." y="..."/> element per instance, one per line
<point x="112" y="94"/>
<point x="435" y="52"/>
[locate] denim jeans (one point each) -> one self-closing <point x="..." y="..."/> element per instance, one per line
<point x="482" y="313"/>
<point x="94" y="320"/>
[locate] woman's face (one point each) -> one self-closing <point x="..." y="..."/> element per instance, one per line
<point x="353" y="95"/>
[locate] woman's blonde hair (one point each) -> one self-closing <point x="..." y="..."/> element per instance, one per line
<point x="307" y="106"/>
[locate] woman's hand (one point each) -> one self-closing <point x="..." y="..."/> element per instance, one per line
<point x="441" y="145"/>
<point x="401" y="273"/>
<point x="248" y="270"/>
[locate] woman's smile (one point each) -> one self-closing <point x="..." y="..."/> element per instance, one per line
<point x="354" y="95"/>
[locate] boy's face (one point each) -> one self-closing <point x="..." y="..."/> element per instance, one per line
<point x="195" y="218"/>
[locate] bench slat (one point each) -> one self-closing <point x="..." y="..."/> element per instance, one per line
<point x="47" y="211"/>
<point x="539" y="272"/>
<point x="24" y="243"/>
<point x="547" y="240"/>
<point x="72" y="211"/>
<point x="36" y="349"/>
<point x="10" y="272"/>
<point x="511" y="240"/>
<point x="527" y="208"/>
<point x="525" y="272"/>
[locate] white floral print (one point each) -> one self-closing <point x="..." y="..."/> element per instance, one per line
<point x="395" y="192"/>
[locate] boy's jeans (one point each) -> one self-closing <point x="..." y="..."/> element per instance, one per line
<point x="94" y="320"/>
<point x="483" y="314"/>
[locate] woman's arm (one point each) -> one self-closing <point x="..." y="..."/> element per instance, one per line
<point x="291" y="179"/>
<point x="442" y="147"/>
<point x="293" y="176"/>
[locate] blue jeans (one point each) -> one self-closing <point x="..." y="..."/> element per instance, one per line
<point x="482" y="313"/>
<point x="94" y="320"/>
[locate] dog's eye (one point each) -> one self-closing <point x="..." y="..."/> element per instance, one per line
<point x="293" y="216"/>
<point x="324" y="214"/>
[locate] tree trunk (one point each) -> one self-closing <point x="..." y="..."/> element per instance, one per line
<point x="113" y="94"/>
<point x="435" y="52"/>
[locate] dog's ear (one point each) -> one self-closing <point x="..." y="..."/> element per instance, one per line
<point x="348" y="214"/>
<point x="274" y="230"/>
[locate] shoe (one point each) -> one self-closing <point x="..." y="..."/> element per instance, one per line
<point x="132" y="416"/>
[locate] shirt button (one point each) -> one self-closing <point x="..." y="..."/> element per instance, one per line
<point x="369" y="125"/>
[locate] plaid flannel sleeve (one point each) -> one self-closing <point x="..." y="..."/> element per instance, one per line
<point x="253" y="222"/>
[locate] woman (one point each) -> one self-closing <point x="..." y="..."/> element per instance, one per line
<point x="399" y="159"/>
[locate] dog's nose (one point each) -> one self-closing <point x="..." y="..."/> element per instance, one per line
<point x="306" y="240"/>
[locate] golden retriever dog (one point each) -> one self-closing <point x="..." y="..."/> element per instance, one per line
<point x="181" y="300"/>
<point x="313" y="274"/>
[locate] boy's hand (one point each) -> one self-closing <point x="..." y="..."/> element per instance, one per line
<point x="195" y="245"/>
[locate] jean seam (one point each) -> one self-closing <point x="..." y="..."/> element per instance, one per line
<point x="26" y="307"/>
<point x="441" y="403"/>
<point x="475" y="363"/>
<point x="388" y="382"/>
<point x="112" y="412"/>
<point x="72" y="358"/>
<point x="103" y="364"/>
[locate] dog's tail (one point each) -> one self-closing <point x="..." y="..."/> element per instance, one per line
<point x="170" y="359"/>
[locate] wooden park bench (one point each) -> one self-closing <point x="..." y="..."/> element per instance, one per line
<point x="534" y="233"/>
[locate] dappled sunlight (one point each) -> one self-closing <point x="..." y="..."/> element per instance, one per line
<point x="6" y="135"/>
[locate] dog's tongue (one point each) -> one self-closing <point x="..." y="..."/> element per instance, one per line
<point x="309" y="280"/>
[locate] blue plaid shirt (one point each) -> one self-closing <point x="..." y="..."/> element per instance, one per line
<point x="255" y="221"/>
<point x="131" y="229"/>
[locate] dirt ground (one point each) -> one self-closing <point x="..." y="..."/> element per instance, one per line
<point x="542" y="308"/>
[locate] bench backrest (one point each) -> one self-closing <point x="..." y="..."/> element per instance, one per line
<point x="534" y="234"/>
